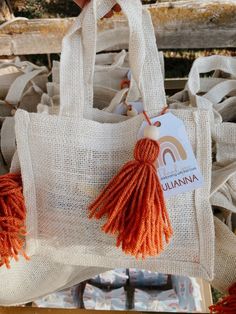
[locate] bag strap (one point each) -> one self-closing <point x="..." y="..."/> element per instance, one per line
<point x="227" y="108"/>
<point x="117" y="63"/>
<point x="78" y="59"/>
<point x="17" y="88"/>
<point x="219" y="91"/>
<point x="14" y="96"/>
<point x="117" y="99"/>
<point x="114" y="37"/>
<point x="8" y="139"/>
<point x="23" y="66"/>
<point x="220" y="175"/>
<point x="205" y="65"/>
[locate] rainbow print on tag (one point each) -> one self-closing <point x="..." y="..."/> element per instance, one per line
<point x="177" y="166"/>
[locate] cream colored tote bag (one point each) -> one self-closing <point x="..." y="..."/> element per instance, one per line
<point x="225" y="257"/>
<point x="67" y="159"/>
<point x="24" y="93"/>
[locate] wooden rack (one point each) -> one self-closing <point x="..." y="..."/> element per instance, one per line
<point x="188" y="24"/>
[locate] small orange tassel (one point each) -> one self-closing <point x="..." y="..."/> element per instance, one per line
<point x="124" y="83"/>
<point x="134" y="205"/>
<point x="12" y="218"/>
<point x="227" y="304"/>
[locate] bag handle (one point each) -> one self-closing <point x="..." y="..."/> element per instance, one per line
<point x="14" y="96"/>
<point x="23" y="66"/>
<point x="220" y="175"/>
<point x="219" y="91"/>
<point x="16" y="91"/>
<point x="78" y="58"/>
<point x="117" y="63"/>
<point x="204" y="65"/>
<point x="8" y="139"/>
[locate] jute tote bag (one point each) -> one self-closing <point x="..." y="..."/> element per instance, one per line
<point x="215" y="94"/>
<point x="15" y="72"/>
<point x="224" y="137"/>
<point x="23" y="93"/>
<point x="66" y="160"/>
<point x="208" y="92"/>
<point x="18" y="88"/>
<point x="218" y="95"/>
<point x="225" y="257"/>
<point x="8" y="73"/>
<point x="223" y="191"/>
<point x="225" y="172"/>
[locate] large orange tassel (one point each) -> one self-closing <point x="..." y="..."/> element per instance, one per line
<point x="12" y="218"/>
<point x="134" y="204"/>
<point x="227" y="304"/>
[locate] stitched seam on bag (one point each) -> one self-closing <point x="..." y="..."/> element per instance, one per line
<point x="206" y="257"/>
<point x="22" y="124"/>
<point x="193" y="269"/>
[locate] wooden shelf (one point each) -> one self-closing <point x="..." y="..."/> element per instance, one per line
<point x="178" y="25"/>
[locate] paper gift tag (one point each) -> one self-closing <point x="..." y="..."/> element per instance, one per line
<point x="177" y="166"/>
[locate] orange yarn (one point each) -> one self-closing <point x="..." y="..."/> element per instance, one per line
<point x="124" y="83"/>
<point x="12" y="218"/>
<point x="227" y="304"/>
<point x="134" y="205"/>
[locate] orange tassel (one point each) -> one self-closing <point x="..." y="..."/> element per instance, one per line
<point x="134" y="205"/>
<point x="12" y="218"/>
<point x="227" y="304"/>
<point x="124" y="83"/>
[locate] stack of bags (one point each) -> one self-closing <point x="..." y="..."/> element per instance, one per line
<point x="218" y="94"/>
<point x="22" y="85"/>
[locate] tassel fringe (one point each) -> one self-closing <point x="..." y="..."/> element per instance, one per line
<point x="12" y="218"/>
<point x="134" y="205"/>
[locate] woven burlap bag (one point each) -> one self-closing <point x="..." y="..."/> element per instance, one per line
<point x="11" y="69"/>
<point x="225" y="257"/>
<point x="208" y="92"/>
<point x="20" y="85"/>
<point x="66" y="160"/>
<point x="27" y="84"/>
<point x="218" y="94"/>
<point x="222" y="97"/>
<point x="223" y="189"/>
<point x="223" y="193"/>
